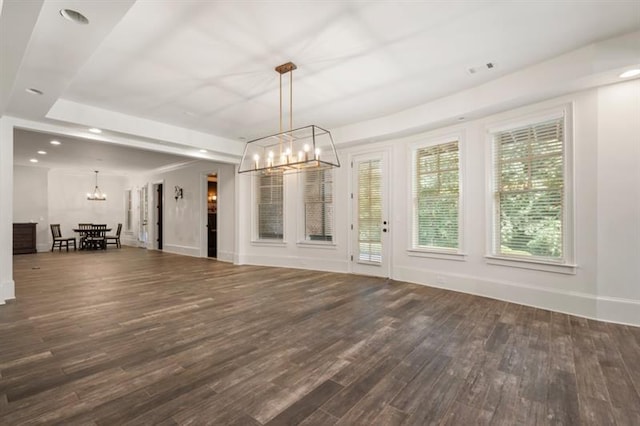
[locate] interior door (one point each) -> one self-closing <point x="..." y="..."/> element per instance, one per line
<point x="370" y="221"/>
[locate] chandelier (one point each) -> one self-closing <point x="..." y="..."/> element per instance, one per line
<point x="305" y="148"/>
<point x="96" y="195"/>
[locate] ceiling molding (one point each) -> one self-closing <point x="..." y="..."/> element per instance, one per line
<point x="591" y="66"/>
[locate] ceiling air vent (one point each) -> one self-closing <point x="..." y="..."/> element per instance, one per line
<point x="479" y="69"/>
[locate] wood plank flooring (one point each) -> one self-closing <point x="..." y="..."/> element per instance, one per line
<point x="129" y="336"/>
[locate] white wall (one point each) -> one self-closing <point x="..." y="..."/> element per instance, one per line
<point x="618" y="189"/>
<point x="68" y="204"/>
<point x="31" y="200"/>
<point x="606" y="282"/>
<point x="184" y="228"/>
<point x="7" y="287"/>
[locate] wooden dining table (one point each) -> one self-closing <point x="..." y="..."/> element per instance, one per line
<point x="92" y="232"/>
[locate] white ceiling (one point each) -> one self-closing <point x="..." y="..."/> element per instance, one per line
<point x="87" y="155"/>
<point x="209" y="65"/>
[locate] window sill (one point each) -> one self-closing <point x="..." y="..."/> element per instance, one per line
<point x="317" y="244"/>
<point x="460" y="257"/>
<point x="537" y="265"/>
<point x="267" y="243"/>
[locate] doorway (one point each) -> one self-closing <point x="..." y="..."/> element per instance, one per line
<point x="159" y="203"/>
<point x="370" y="218"/>
<point x="212" y="215"/>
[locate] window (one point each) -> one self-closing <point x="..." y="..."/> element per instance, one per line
<point x="128" y="200"/>
<point x="270" y="202"/>
<point x="369" y="211"/>
<point x="529" y="184"/>
<point x="318" y="205"/>
<point x="436" y="197"/>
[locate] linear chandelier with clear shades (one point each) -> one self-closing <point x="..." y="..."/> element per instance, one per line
<point x="305" y="148"/>
<point x="96" y="195"/>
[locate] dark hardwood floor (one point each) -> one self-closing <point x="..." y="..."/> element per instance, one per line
<point x="129" y="336"/>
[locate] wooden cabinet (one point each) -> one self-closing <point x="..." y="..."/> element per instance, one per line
<point x="24" y="238"/>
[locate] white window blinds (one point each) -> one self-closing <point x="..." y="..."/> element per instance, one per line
<point x="370" y="211"/>
<point x="529" y="191"/>
<point x="318" y="205"/>
<point x="436" y="196"/>
<point x="270" y="201"/>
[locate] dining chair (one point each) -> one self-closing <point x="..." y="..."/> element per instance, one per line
<point x="96" y="237"/>
<point x="60" y="241"/>
<point x="114" y="238"/>
<point x="83" y="235"/>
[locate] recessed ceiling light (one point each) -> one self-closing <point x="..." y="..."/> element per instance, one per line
<point x="74" y="16"/>
<point x="54" y="143"/>
<point x="42" y="152"/>
<point x="630" y="73"/>
<point x="33" y="160"/>
<point x="95" y="130"/>
<point x="203" y="150"/>
<point x="33" y="91"/>
<point x="460" y="118"/>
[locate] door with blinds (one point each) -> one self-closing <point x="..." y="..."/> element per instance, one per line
<point x="370" y="221"/>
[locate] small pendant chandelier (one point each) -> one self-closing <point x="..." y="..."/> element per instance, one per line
<point x="294" y="150"/>
<point x="96" y="195"/>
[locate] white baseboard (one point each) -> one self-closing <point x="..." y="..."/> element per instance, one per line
<point x="7" y="291"/>
<point x="295" y="262"/>
<point x="616" y="310"/>
<point x="225" y="256"/>
<point x="42" y="247"/>
<point x="128" y="241"/>
<point x="185" y="250"/>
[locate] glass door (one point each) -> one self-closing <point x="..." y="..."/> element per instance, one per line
<point x="370" y="222"/>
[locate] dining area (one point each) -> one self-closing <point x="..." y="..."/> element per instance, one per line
<point x="90" y="236"/>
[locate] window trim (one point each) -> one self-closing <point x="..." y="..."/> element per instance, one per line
<point x="255" y="239"/>
<point x="458" y="253"/>
<point x="567" y="264"/>
<point x="301" y="237"/>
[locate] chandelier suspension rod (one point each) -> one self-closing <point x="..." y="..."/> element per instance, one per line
<point x="280" y="103"/>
